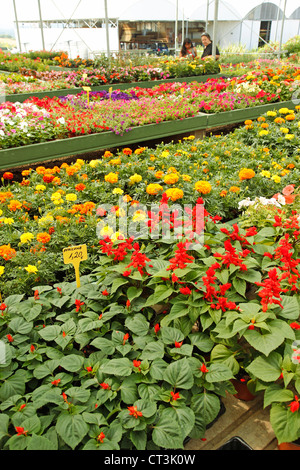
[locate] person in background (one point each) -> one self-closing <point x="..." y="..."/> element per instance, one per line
<point x="188" y="49"/>
<point x="208" y="47"/>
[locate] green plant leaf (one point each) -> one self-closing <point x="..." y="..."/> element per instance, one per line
<point x="153" y="350"/>
<point x="72" y="362"/>
<point x="120" y="367"/>
<point x="285" y="424"/>
<point x="137" y="324"/>
<point x="179" y="374"/>
<point x="40" y="443"/>
<point x="268" y="368"/>
<point x="71" y="428"/>
<point x="167" y="433"/>
<point x="275" y="393"/>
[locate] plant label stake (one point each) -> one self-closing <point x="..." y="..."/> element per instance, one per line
<point x="110" y="92"/>
<point x="73" y="255"/>
<point x="87" y="89"/>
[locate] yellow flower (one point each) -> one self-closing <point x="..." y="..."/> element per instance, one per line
<point x="138" y="216"/>
<point x="48" y="219"/>
<point x="271" y="113"/>
<point x="284" y="130"/>
<point x="7" y="220"/>
<point x="111" y="178"/>
<point x="94" y="163"/>
<point x="56" y="198"/>
<point x="203" y="187"/>
<point x="117" y="236"/>
<point x="265" y="173"/>
<point x="71" y="197"/>
<point x="262" y="133"/>
<point x="115" y="161"/>
<point x="154" y="189"/>
<point x="276" y="178"/>
<point x="159" y="174"/>
<point x="289" y="136"/>
<point x="165" y="154"/>
<point x="26" y="237"/>
<point x="40" y="187"/>
<point x="31" y="269"/>
<point x="106" y="231"/>
<point x="174" y="193"/>
<point x="171" y="178"/>
<point x="135" y="178"/>
<point x="118" y="191"/>
<point x="1" y="270"/>
<point x="186" y="177"/>
<point x="246" y="174"/>
<point x="284" y="111"/>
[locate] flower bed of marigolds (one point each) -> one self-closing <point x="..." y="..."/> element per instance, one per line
<point x="141" y="354"/>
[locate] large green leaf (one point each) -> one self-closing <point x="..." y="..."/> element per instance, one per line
<point x="161" y="293"/>
<point x="137" y="324"/>
<point x="268" y="368"/>
<point x="72" y="362"/>
<point x="71" y="428"/>
<point x="275" y="393"/>
<point x="167" y="432"/>
<point x="13" y="385"/>
<point x="121" y="367"/>
<point x="265" y="343"/>
<point x="153" y="350"/>
<point x="178" y="310"/>
<point x="40" y="443"/>
<point x="218" y="372"/>
<point x="170" y="335"/>
<point x="285" y="424"/>
<point x="179" y="374"/>
<point x="206" y="406"/>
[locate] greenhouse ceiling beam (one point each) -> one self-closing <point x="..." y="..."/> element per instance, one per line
<point x="41" y="24"/>
<point x="282" y="27"/>
<point x="107" y="30"/>
<point x="214" y="51"/>
<point x="17" y="25"/>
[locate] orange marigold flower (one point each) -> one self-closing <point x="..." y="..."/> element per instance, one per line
<point x="80" y="187"/>
<point x="174" y="194"/>
<point x="246" y="174"/>
<point x="234" y="189"/>
<point x="14" y="205"/>
<point x="171" y="178"/>
<point x="43" y="237"/>
<point x="127" y="151"/>
<point x="203" y="187"/>
<point x="154" y="189"/>
<point x="6" y="252"/>
<point x="8" y="175"/>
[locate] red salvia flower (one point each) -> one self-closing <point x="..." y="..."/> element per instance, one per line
<point x="175" y="396"/>
<point x="294" y="405"/>
<point x="133" y="411"/>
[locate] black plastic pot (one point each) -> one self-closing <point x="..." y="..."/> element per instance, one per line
<point x="235" y="443"/>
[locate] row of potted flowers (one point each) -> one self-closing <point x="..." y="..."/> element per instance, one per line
<point x="38" y="120"/>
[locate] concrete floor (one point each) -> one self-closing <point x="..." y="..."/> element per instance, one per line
<point x="245" y="419"/>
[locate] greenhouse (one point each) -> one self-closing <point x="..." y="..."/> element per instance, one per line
<point x="150" y="229"/>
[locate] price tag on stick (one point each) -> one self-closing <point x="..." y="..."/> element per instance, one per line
<point x="74" y="255"/>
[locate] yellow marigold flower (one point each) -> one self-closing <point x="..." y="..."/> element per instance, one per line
<point x="138" y="216"/>
<point x="284" y="110"/>
<point x="265" y="173"/>
<point x="262" y="133"/>
<point x="1" y="270"/>
<point x="271" y="113"/>
<point x="154" y="189"/>
<point x="165" y="154"/>
<point x="186" y="177"/>
<point x="40" y="187"/>
<point x="106" y="231"/>
<point x="284" y="130"/>
<point x="203" y="187"/>
<point x="94" y="163"/>
<point x="31" y="269"/>
<point x="80" y="162"/>
<point x="7" y="220"/>
<point x="111" y="178"/>
<point x="246" y="174"/>
<point x="174" y="193"/>
<point x="276" y="178"/>
<point x="71" y="197"/>
<point x="135" y="178"/>
<point x="118" y="191"/>
<point x="26" y="237"/>
<point x="140" y="150"/>
<point x="171" y="178"/>
<point x="48" y="219"/>
<point x="289" y="136"/>
<point x="115" y="161"/>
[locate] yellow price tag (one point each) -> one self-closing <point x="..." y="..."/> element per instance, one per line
<point x="87" y="89"/>
<point x="110" y="92"/>
<point x="74" y="255"/>
<point x="84" y="75"/>
<point x="182" y="90"/>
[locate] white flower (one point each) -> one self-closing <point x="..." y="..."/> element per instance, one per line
<point x="61" y="120"/>
<point x="281" y="199"/>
